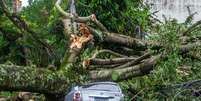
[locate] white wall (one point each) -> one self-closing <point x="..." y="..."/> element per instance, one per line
<point x="176" y="8"/>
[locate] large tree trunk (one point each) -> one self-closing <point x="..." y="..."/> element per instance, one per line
<point x="32" y="79"/>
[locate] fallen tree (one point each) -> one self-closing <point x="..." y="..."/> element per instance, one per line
<point x="40" y="80"/>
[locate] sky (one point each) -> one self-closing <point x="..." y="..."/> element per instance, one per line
<point x="24" y="2"/>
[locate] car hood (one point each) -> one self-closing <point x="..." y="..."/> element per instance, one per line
<point x="100" y="93"/>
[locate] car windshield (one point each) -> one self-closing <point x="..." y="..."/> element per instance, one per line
<point x="103" y="87"/>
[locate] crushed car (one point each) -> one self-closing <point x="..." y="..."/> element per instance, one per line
<point x="97" y="91"/>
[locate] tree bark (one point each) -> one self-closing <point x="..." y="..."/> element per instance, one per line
<point x="123" y="73"/>
<point x="119" y="39"/>
<point x="32" y="79"/>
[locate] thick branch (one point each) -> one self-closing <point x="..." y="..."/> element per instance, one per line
<point x="184" y="85"/>
<point x="69" y="15"/>
<point x="133" y="62"/>
<point x="128" y="72"/>
<point x="190" y="46"/>
<point x="57" y="5"/>
<point x="194" y="55"/>
<point x="74" y="54"/>
<point x="77" y="44"/>
<point x="17" y="78"/>
<point x="124" y="50"/>
<point x="118" y="39"/>
<point x="107" y="51"/>
<point x="96" y="61"/>
<point x="8" y="36"/>
<point x="98" y="67"/>
<point x="80" y="19"/>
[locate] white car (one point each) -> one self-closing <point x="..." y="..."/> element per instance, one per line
<point x="98" y="91"/>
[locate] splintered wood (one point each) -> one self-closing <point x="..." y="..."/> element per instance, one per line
<point x="78" y="41"/>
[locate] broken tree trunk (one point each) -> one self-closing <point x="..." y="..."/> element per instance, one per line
<point x="32" y="79"/>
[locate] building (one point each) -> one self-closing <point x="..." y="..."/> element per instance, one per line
<point x="178" y="9"/>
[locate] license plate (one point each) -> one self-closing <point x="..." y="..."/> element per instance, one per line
<point x="101" y="99"/>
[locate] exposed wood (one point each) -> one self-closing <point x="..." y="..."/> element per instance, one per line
<point x="77" y="44"/>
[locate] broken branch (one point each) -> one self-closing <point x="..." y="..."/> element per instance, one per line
<point x="192" y="28"/>
<point x="118" y="39"/>
<point x="107" y="51"/>
<point x="127" y="72"/>
<point x="133" y="62"/>
<point x="96" y="61"/>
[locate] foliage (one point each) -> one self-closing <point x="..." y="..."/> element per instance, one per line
<point x="10" y="50"/>
<point x="150" y="87"/>
<point x="42" y="17"/>
<point x="117" y="15"/>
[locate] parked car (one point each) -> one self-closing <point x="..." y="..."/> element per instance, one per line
<point x="98" y="91"/>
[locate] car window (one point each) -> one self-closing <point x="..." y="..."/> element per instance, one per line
<point x="104" y="87"/>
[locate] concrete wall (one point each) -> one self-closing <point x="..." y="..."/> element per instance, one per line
<point x="176" y="8"/>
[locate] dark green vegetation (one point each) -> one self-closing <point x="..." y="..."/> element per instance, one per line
<point x="39" y="50"/>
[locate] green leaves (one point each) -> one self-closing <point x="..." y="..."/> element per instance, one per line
<point x="3" y="42"/>
<point x="117" y="15"/>
<point x="115" y="76"/>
